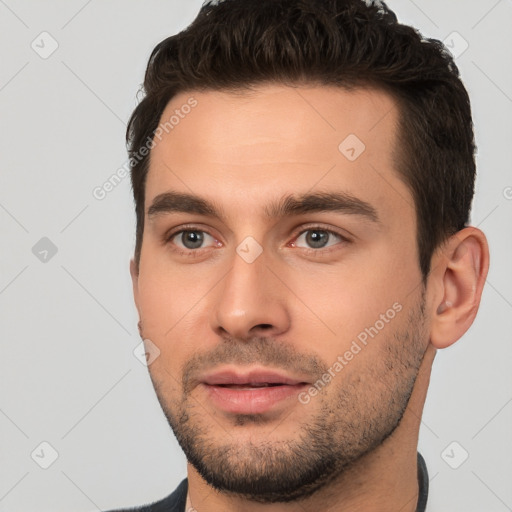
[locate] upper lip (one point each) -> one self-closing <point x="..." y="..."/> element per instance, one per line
<point x="255" y="376"/>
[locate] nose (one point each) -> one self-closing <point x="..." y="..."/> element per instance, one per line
<point x="250" y="301"/>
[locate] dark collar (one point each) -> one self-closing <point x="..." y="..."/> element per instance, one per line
<point x="423" y="484"/>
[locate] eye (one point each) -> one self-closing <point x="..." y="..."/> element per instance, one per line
<point x="318" y="238"/>
<point x="191" y="239"/>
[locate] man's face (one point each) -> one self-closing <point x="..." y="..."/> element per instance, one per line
<point x="329" y="299"/>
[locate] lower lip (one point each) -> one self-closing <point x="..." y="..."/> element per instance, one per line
<point x="251" y="400"/>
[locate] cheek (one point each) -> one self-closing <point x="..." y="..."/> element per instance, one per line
<point x="173" y="314"/>
<point x="163" y="301"/>
<point x="156" y="302"/>
<point x="345" y="300"/>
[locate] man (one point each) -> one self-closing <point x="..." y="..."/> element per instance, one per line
<point x="303" y="172"/>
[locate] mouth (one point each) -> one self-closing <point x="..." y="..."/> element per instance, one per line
<point x="252" y="392"/>
<point x="251" y="385"/>
<point x="256" y="377"/>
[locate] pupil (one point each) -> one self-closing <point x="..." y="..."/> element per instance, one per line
<point x="317" y="238"/>
<point x="192" y="239"/>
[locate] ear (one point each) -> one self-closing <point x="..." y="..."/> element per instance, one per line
<point x="460" y="271"/>
<point x="134" y="272"/>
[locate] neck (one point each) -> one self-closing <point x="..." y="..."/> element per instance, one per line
<point x="384" y="480"/>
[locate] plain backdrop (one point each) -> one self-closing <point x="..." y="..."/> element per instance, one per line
<point x="69" y="76"/>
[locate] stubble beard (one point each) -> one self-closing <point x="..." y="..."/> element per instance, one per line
<point x="368" y="406"/>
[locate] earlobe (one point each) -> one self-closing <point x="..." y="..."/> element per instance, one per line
<point x="462" y="271"/>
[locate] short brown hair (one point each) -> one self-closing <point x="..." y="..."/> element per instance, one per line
<point x="237" y="44"/>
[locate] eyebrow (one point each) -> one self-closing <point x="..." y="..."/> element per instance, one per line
<point x="340" y="202"/>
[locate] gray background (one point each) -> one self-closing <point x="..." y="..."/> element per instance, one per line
<point x="68" y="324"/>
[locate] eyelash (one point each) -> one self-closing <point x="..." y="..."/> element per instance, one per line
<point x="193" y="253"/>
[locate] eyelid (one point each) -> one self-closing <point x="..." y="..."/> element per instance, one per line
<point x="319" y="227"/>
<point x="187" y="227"/>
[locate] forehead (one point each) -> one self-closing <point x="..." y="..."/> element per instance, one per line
<point x="279" y="114"/>
<point x="277" y="139"/>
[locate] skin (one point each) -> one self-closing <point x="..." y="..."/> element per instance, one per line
<point x="298" y="306"/>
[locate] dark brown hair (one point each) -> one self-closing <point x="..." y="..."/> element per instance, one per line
<point x="237" y="44"/>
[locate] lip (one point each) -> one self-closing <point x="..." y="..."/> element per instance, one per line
<point x="255" y="376"/>
<point x="232" y="392"/>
